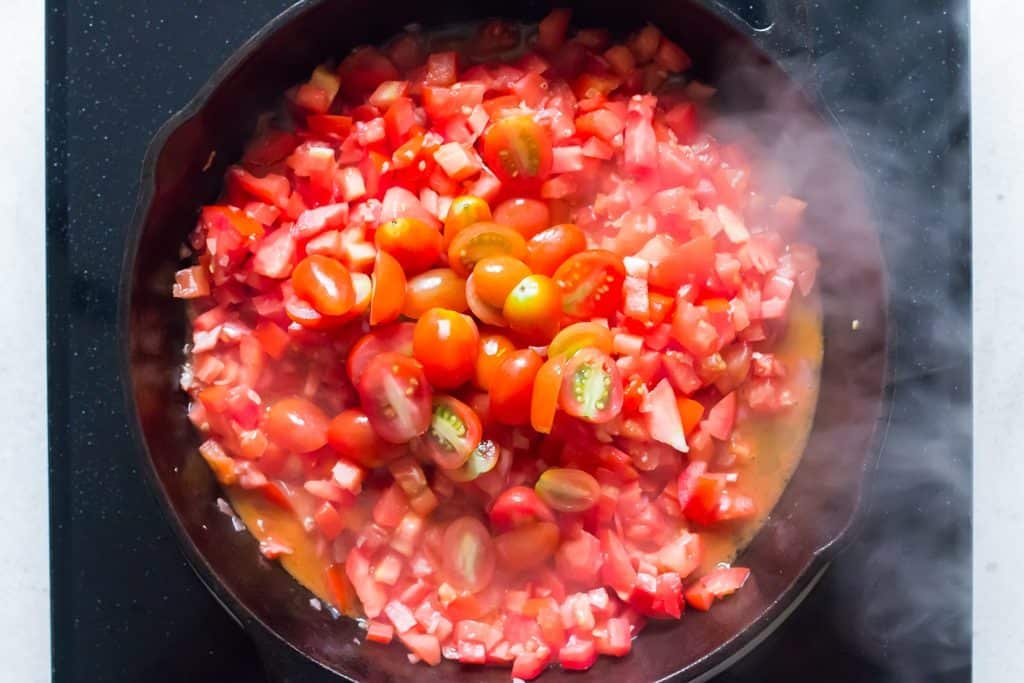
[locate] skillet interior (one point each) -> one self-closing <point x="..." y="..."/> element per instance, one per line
<point x="813" y="513"/>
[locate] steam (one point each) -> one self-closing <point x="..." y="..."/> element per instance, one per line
<point x="900" y="594"/>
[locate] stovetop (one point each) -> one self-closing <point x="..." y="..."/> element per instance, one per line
<point x="895" y="605"/>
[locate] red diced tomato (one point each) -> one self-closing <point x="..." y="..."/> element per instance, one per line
<point x="379" y="632"/>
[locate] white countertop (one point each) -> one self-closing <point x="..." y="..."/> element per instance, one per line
<point x="998" y="149"/>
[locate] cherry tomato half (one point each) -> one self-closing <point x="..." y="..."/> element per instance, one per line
<point x="395" y="337"/>
<point x="454" y="433"/>
<point x="464" y="212"/>
<point x="388" y="289"/>
<point x="324" y="283"/>
<point x="483" y="240"/>
<point x="492" y="348"/>
<point x="352" y="436"/>
<point x="546" y="387"/>
<point x="495" y="276"/>
<point x="517" y="506"/>
<point x="527" y="216"/>
<point x="467" y="554"/>
<point x="445" y="342"/>
<point x="592" y="387"/>
<point x="574" y="337"/>
<point x="512" y="389"/>
<point x="437" y="288"/>
<point x="534" y="308"/>
<point x="518" y="149"/>
<point x="550" y="248"/>
<point x="591" y="284"/>
<point x="568" y="489"/>
<point x="396" y="397"/>
<point x="415" y="245"/>
<point x="296" y="424"/>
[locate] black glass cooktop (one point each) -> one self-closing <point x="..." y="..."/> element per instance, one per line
<point x="895" y="606"/>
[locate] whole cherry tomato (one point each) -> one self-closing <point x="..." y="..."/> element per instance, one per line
<point x="496" y="276"/>
<point x="534" y="308"/>
<point x="445" y="342"/>
<point x="492" y="348"/>
<point x="437" y="288"/>
<point x="512" y="389"/>
<point x="528" y="216"/>
<point x="352" y="436"/>
<point x="296" y="424"/>
<point x="415" y="245"/>
<point x="550" y="248"/>
<point x="325" y="284"/>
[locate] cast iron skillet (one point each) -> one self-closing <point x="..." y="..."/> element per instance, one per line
<point x="818" y="506"/>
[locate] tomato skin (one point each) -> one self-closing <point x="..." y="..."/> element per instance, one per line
<point x="388" y="292"/>
<point x="550" y="248"/>
<point x="591" y="371"/>
<point x="445" y="343"/>
<point x="591" y="284"/>
<point x="396" y="397"/>
<point x="527" y="216"/>
<point x="396" y="337"/>
<point x="296" y="424"/>
<point x="517" y="506"/>
<point x="512" y="390"/>
<point x="533" y="308"/>
<point x="413" y="243"/>
<point x="325" y="284"/>
<point x="492" y="348"/>
<point x="464" y="212"/>
<point x="467" y="554"/>
<point x="544" y="401"/>
<point x="518" y="149"/>
<point x="351" y="435"/>
<point x="481" y="241"/>
<point x="437" y="288"/>
<point x="454" y="433"/>
<point x="496" y="276"/>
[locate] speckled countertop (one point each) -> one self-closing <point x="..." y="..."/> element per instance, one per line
<point x="998" y="146"/>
